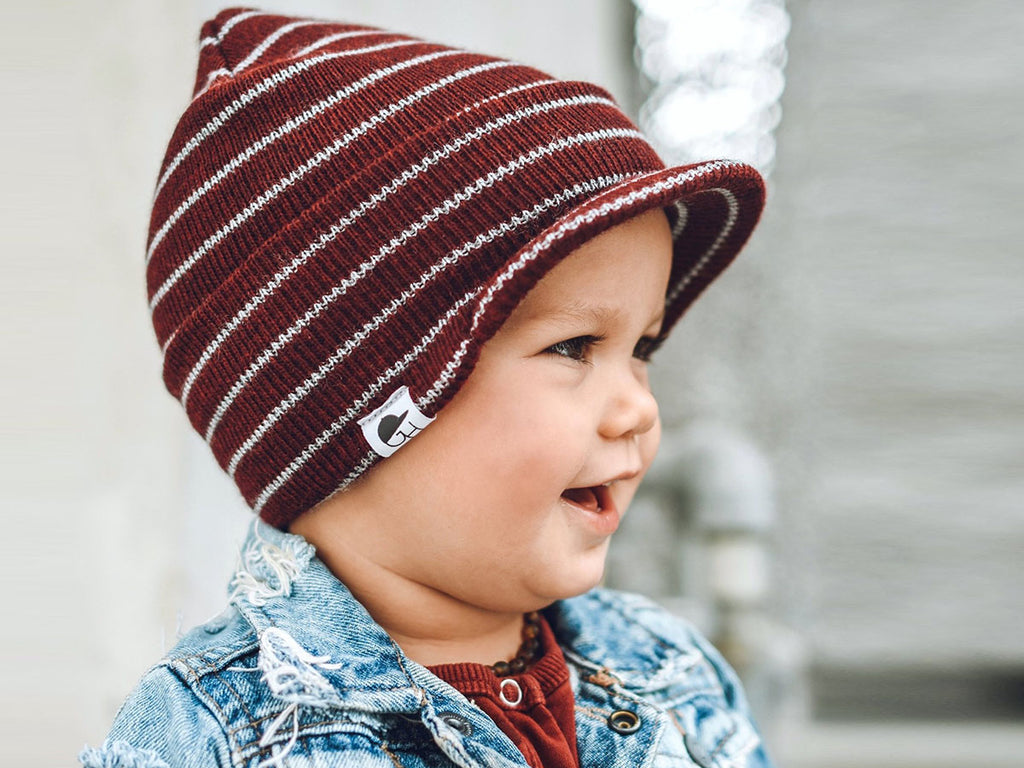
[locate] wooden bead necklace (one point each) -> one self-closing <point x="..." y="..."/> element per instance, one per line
<point x="527" y="651"/>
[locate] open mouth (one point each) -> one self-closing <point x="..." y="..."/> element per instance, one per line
<point x="594" y="498"/>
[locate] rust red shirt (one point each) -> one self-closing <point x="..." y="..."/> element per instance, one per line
<point x="535" y="709"/>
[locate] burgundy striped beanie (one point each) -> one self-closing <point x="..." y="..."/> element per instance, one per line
<point x="345" y="215"/>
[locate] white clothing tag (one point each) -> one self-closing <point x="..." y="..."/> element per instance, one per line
<point x="393" y="424"/>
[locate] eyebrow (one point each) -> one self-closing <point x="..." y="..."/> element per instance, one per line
<point x="587" y="314"/>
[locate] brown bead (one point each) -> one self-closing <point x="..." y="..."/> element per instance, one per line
<point x="527" y="651"/>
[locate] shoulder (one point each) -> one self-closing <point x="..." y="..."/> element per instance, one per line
<point x="213" y="646"/>
<point x="209" y="703"/>
<point x="628" y="608"/>
<point x="161" y="724"/>
<point x="180" y="712"/>
<point x="664" y="660"/>
<point x="628" y="631"/>
<point x="648" y="646"/>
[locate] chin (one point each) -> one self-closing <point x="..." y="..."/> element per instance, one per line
<point x="583" y="578"/>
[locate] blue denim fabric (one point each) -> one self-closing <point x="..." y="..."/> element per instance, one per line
<point x="296" y="673"/>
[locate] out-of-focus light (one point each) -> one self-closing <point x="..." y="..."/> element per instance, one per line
<point x="716" y="70"/>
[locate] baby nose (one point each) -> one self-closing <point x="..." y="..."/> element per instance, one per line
<point x="632" y="409"/>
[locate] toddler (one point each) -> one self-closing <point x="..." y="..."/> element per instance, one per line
<point x="408" y="295"/>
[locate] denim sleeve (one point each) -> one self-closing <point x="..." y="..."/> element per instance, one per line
<point x="162" y="724"/>
<point x="734" y="696"/>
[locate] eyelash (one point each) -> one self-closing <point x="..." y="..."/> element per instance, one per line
<point x="576" y="348"/>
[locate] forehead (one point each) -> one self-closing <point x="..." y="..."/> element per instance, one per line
<point x="620" y="272"/>
<point x="573" y="309"/>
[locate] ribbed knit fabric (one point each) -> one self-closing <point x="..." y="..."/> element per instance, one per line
<point x="343" y="211"/>
<point x="542" y="721"/>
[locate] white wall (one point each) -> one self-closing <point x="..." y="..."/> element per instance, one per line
<point x="119" y="524"/>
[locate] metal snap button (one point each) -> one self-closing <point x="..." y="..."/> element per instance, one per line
<point x="624" y="721"/>
<point x="517" y="693"/>
<point x="457" y="722"/>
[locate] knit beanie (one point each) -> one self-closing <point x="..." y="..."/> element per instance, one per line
<point x="344" y="215"/>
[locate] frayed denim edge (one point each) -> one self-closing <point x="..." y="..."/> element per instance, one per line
<point x="120" y="754"/>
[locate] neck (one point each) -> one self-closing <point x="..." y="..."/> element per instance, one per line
<point x="430" y="626"/>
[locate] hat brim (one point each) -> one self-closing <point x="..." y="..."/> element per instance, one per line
<point x="713" y="208"/>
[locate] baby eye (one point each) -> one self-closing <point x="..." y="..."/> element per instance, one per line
<point x="574" y="349"/>
<point x="645" y="348"/>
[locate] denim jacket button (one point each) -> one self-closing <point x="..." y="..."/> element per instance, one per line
<point x="624" y="721"/>
<point x="697" y="751"/>
<point x="457" y="722"/>
<point x="216" y="624"/>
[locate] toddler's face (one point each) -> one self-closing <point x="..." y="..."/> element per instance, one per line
<point x="509" y="498"/>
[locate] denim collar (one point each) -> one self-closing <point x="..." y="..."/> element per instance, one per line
<point x="311" y="625"/>
<point x="339" y="656"/>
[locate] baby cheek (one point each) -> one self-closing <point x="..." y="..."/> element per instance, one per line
<point x="544" y="448"/>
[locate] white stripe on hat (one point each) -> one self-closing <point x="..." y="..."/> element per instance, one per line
<point x="278" y="33"/>
<point x="364" y="464"/>
<point x="408" y="175"/>
<point x="385" y="314"/>
<point x="681" y="220"/>
<point x="222" y="32"/>
<point x="283" y="130"/>
<point x="254" y="54"/>
<point x="325" y="41"/>
<point x="299" y="393"/>
<point x="258" y="90"/>
<point x="357" y="406"/>
<point x="734" y="210"/>
<point x="214" y="74"/>
<point x="508" y="92"/>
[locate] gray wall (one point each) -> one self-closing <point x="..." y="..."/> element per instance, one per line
<point x="870" y="338"/>
<point x="898" y="197"/>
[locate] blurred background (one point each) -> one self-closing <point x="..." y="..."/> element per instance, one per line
<point x="839" y="501"/>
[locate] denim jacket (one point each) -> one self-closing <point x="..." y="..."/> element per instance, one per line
<point x="296" y="673"/>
